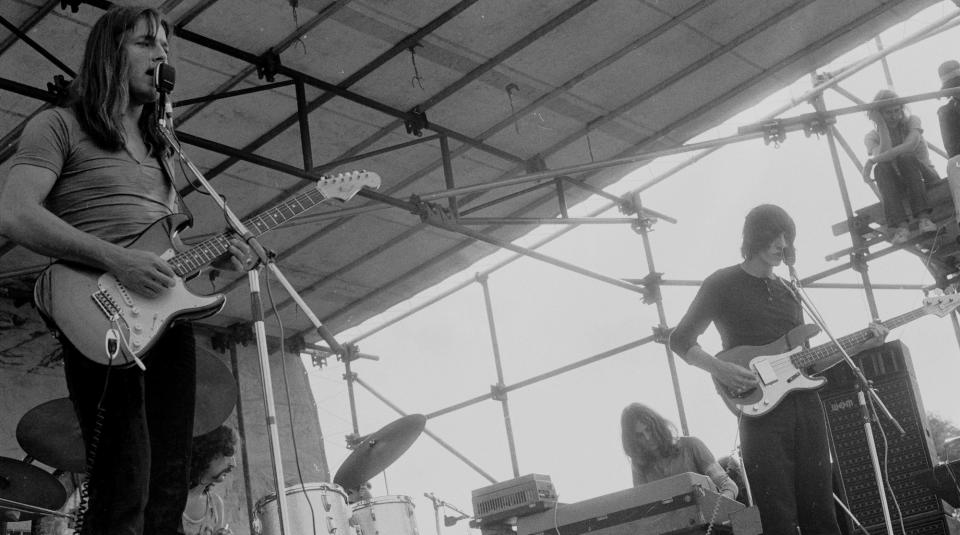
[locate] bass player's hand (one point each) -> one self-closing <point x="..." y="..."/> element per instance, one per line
<point x="733" y="376"/>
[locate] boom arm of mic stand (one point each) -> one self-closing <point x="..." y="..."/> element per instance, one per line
<point x="321" y="329"/>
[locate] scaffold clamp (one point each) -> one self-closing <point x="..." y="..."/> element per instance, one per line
<point x="773" y="132"/>
<point x="416" y="122"/>
<point x="650" y="293"/>
<point x="858" y="262"/>
<point x="59" y="88"/>
<point x="429" y="212"/>
<point x="498" y="392"/>
<point x="661" y="334"/>
<point x="816" y="126"/>
<point x="268" y="64"/>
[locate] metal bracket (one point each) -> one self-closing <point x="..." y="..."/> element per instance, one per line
<point x="429" y="212"/>
<point x="73" y="4"/>
<point x="661" y="335"/>
<point x="416" y="122"/>
<point x="643" y="224"/>
<point x="350" y="354"/>
<point x="651" y="287"/>
<point x="773" y="132"/>
<point x="858" y="262"/>
<point x="816" y="126"/>
<point x="535" y="164"/>
<point x="268" y="64"/>
<point x="498" y="392"/>
<point x="59" y="88"/>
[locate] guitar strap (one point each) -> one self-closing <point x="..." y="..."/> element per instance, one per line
<point x="165" y="164"/>
<point x="796" y="297"/>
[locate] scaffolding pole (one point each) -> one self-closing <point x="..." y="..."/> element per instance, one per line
<point x="498" y="390"/>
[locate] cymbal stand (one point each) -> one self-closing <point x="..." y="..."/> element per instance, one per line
<point x="867" y="410"/>
<point x="253" y="278"/>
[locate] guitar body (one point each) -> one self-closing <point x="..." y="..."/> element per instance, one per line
<point x="776" y="374"/>
<point x="108" y="323"/>
<point x="111" y="325"/>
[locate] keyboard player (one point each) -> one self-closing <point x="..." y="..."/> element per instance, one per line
<point x="656" y="452"/>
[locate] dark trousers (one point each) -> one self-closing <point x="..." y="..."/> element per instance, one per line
<point x="139" y="480"/>
<point x="787" y="459"/>
<point x="902" y="178"/>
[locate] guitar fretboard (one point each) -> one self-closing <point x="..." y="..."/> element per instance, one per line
<point x="815" y="354"/>
<point x="192" y="260"/>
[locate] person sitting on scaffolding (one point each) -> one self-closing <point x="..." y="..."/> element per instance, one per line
<point x="949" y="116"/>
<point x="901" y="166"/>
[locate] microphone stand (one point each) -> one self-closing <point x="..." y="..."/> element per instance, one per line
<point x="253" y="277"/>
<point x="867" y="411"/>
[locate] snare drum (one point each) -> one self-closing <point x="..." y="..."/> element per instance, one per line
<point x="386" y="515"/>
<point x="330" y="512"/>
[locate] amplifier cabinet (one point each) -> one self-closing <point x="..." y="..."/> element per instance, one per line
<point x="890" y="370"/>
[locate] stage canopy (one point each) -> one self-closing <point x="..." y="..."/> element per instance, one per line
<point x="430" y="95"/>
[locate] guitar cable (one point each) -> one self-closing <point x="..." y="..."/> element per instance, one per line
<point x="286" y="389"/>
<point x="98" y="422"/>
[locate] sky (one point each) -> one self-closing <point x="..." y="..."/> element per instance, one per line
<point x="567" y="427"/>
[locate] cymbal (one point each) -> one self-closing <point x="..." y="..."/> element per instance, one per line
<point x="379" y="450"/>
<point x="28" y="484"/>
<point x="216" y="394"/>
<point x="50" y="432"/>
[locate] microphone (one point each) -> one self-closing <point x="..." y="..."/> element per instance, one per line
<point x="164" y="78"/>
<point x="790" y="258"/>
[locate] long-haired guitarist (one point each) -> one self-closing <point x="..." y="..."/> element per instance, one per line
<point x="785" y="452"/>
<point x="87" y="179"/>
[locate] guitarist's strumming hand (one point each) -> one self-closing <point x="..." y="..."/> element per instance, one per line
<point x="143" y="272"/>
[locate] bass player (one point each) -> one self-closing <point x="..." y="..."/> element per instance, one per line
<point x="786" y="452"/>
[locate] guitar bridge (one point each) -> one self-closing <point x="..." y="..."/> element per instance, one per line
<point x="107" y="305"/>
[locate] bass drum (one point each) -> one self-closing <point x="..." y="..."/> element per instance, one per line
<point x="319" y="508"/>
<point x="386" y="515"/>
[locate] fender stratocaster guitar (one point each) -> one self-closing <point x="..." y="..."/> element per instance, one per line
<point x="780" y="366"/>
<point x="110" y="324"/>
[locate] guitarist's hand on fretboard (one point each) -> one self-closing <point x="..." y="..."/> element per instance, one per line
<point x="241" y="257"/>
<point x="879" y="331"/>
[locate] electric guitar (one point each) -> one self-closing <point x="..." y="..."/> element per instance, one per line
<point x="110" y="324"/>
<point x="779" y="366"/>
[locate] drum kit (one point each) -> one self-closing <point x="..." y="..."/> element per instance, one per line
<point x="321" y="508"/>
<point x="50" y="434"/>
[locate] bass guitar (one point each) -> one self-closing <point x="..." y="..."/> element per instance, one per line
<point x="110" y="324"/>
<point x="780" y="367"/>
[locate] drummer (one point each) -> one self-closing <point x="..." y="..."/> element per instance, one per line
<point x="212" y="459"/>
<point x="362" y="494"/>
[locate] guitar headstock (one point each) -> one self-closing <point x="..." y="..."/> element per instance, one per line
<point x="344" y="186"/>
<point x="941" y="305"/>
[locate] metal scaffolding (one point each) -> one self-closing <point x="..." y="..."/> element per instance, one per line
<point x="453" y="217"/>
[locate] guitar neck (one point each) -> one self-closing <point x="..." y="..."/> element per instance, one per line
<point x="824" y="351"/>
<point x="192" y="260"/>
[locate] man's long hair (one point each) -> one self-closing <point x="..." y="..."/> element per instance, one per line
<point x="661" y="429"/>
<point x="101" y="91"/>
<point x="222" y="441"/>
<point x="902" y="128"/>
<point x="763" y="225"/>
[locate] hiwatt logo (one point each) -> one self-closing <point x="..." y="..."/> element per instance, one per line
<point x="841" y="405"/>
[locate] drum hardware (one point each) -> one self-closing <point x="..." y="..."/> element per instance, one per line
<point x="378" y="450"/>
<point x="302" y="512"/>
<point x="385" y="515"/>
<point x="50" y="432"/>
<point x="29" y="490"/>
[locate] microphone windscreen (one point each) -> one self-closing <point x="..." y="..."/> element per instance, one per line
<point x="790" y="255"/>
<point x="164" y="78"/>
